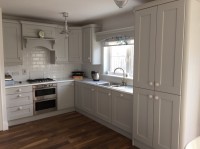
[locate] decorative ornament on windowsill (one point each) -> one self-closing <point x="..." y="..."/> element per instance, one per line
<point x="65" y="29"/>
<point x="120" y="3"/>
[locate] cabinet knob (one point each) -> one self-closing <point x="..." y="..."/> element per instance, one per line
<point x="20" y="108"/>
<point x="150" y="83"/>
<point x="19" y="95"/>
<point x="121" y="95"/>
<point x="109" y="94"/>
<point x="157" y="84"/>
<point x="156" y="97"/>
<point x="150" y="96"/>
<point x="19" y="90"/>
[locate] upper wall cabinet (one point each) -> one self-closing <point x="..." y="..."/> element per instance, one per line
<point x="12" y="42"/>
<point x="75" y="45"/>
<point x="91" y="48"/>
<point x="61" y="46"/>
<point x="158" y="48"/>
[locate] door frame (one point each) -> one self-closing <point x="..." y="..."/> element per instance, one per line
<point x="3" y="113"/>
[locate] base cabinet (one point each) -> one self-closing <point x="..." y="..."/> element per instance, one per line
<point x="156" y="119"/>
<point x="122" y="105"/>
<point x="103" y="104"/>
<point x="65" y="95"/>
<point x="88" y="95"/>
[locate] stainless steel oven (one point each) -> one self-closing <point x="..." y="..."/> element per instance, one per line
<point x="45" y="98"/>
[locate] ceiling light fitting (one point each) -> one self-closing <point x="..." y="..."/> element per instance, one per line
<point x="65" y="30"/>
<point x="121" y="3"/>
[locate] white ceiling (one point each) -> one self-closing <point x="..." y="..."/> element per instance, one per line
<point x="79" y="10"/>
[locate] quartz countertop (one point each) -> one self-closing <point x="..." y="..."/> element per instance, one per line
<point x="126" y="89"/>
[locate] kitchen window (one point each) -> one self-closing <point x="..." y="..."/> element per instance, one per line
<point x="119" y="54"/>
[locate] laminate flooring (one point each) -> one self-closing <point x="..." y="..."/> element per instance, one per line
<point x="67" y="131"/>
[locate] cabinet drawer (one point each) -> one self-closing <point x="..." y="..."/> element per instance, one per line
<point x="17" y="90"/>
<point x="19" y="99"/>
<point x="20" y="112"/>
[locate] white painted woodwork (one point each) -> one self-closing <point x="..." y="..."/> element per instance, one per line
<point x="18" y="90"/>
<point x="89" y="93"/>
<point x="19" y="99"/>
<point x="103" y="104"/>
<point x="166" y="121"/>
<point x="91" y="48"/>
<point x="20" y="112"/>
<point x="122" y="115"/>
<point x="78" y="95"/>
<point x="65" y="95"/>
<point x="145" y="38"/>
<point x="61" y="47"/>
<point x="169" y="47"/>
<point x="143" y="103"/>
<point x="3" y="113"/>
<point x="75" y="46"/>
<point x="12" y="43"/>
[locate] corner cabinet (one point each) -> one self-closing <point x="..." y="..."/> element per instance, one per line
<point x="75" y="45"/>
<point x="61" y="47"/>
<point x="91" y="48"/>
<point x="65" y="95"/>
<point x="12" y="42"/>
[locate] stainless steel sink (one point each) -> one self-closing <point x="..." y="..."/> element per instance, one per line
<point x="111" y="84"/>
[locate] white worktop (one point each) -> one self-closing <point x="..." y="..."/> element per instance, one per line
<point x="126" y="89"/>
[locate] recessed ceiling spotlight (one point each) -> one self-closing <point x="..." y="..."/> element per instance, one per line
<point x="121" y="3"/>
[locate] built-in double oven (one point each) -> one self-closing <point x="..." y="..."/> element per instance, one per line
<point x="45" y="98"/>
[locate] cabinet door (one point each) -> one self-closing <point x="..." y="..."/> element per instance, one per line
<point x="103" y="104"/>
<point x="143" y="116"/>
<point x="12" y="43"/>
<point x="88" y="98"/>
<point x="78" y="95"/>
<point x="169" y="47"/>
<point x="65" y="95"/>
<point x="75" y="46"/>
<point x="61" y="47"/>
<point x="145" y="36"/>
<point x="122" y="105"/>
<point x="87" y="32"/>
<point x="166" y="121"/>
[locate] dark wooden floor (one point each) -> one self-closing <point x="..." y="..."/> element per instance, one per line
<point x="67" y="131"/>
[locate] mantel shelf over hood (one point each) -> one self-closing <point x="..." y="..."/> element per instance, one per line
<point x="40" y="42"/>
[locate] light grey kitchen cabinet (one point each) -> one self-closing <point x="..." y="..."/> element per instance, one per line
<point x="156" y="118"/>
<point x="61" y="47"/>
<point x="91" y="48"/>
<point x="143" y="116"/>
<point x="166" y="121"/>
<point x="19" y="102"/>
<point x="12" y="42"/>
<point x="88" y="98"/>
<point x="159" y="47"/>
<point x="103" y="104"/>
<point x="75" y="45"/>
<point x="78" y="95"/>
<point x="65" y="95"/>
<point x="122" y="115"/>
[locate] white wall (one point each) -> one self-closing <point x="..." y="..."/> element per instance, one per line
<point x="3" y="115"/>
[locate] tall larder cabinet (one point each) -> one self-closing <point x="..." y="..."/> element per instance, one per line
<point x="167" y="74"/>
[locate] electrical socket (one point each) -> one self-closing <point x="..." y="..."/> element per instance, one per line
<point x="24" y="72"/>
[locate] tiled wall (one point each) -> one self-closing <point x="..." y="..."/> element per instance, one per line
<point x="36" y="64"/>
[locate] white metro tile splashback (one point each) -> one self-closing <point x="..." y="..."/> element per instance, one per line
<point x="36" y="64"/>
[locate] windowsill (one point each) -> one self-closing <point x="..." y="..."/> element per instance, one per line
<point x="117" y="76"/>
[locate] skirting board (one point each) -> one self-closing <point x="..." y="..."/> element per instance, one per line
<point x="124" y="133"/>
<point x="38" y="117"/>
